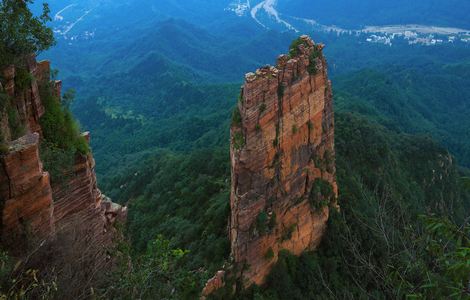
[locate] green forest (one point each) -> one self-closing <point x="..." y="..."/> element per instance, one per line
<point x="160" y="136"/>
<point x="400" y="232"/>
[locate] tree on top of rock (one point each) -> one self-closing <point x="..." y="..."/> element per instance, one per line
<point x="22" y="33"/>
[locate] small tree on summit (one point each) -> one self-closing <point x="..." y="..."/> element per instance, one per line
<point x="22" y="33"/>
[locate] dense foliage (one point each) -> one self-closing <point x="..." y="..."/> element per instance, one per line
<point x="433" y="266"/>
<point x="158" y="274"/>
<point x="188" y="196"/>
<point x="432" y="99"/>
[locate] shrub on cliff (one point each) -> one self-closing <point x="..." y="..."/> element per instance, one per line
<point x="21" y="33"/>
<point x="321" y="194"/>
<point x="62" y="138"/>
<point x="58" y="125"/>
<point x="236" y="117"/>
<point x="8" y="108"/>
<point x="312" y="67"/>
<point x="294" y="47"/>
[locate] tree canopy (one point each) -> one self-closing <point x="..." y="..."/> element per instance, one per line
<point x="22" y="33"/>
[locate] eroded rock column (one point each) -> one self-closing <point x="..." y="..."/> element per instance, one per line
<point x="283" y="161"/>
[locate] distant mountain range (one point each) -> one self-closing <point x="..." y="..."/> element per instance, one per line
<point x="146" y="63"/>
<point x="75" y="19"/>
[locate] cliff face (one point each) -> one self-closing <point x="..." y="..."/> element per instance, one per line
<point x="282" y="156"/>
<point x="34" y="209"/>
<point x="26" y="100"/>
<point x="26" y="193"/>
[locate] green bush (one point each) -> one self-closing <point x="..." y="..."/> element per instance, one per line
<point x="276" y="140"/>
<point x="310" y="125"/>
<point x="58" y="162"/>
<point x="236" y="117"/>
<point x="238" y="140"/>
<point x="287" y="234"/>
<point x="294" y="47"/>
<point x="295" y="129"/>
<point x="23" y="79"/>
<point x="312" y="67"/>
<point x="62" y="139"/>
<point x="58" y="125"/>
<point x="321" y="193"/>
<point x="269" y="254"/>
<point x="261" y="224"/>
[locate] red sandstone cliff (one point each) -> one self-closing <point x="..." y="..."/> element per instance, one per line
<point x="282" y="156"/>
<point x="26" y="194"/>
<point x="34" y="210"/>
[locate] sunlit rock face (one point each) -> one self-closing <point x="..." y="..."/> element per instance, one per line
<point x="283" y="161"/>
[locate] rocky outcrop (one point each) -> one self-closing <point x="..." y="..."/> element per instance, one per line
<point x="213" y="284"/>
<point x="34" y="209"/>
<point x="283" y="161"/>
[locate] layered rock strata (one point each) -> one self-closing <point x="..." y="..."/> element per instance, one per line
<point x="34" y="209"/>
<point x="283" y="161"/>
<point x="26" y="99"/>
<point x="26" y="194"/>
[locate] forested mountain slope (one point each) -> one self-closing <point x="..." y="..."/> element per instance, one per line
<point x="158" y="93"/>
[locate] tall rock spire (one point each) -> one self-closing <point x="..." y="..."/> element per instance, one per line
<point x="283" y="161"/>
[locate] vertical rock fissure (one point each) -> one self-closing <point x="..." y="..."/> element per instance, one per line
<point x="9" y="180"/>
